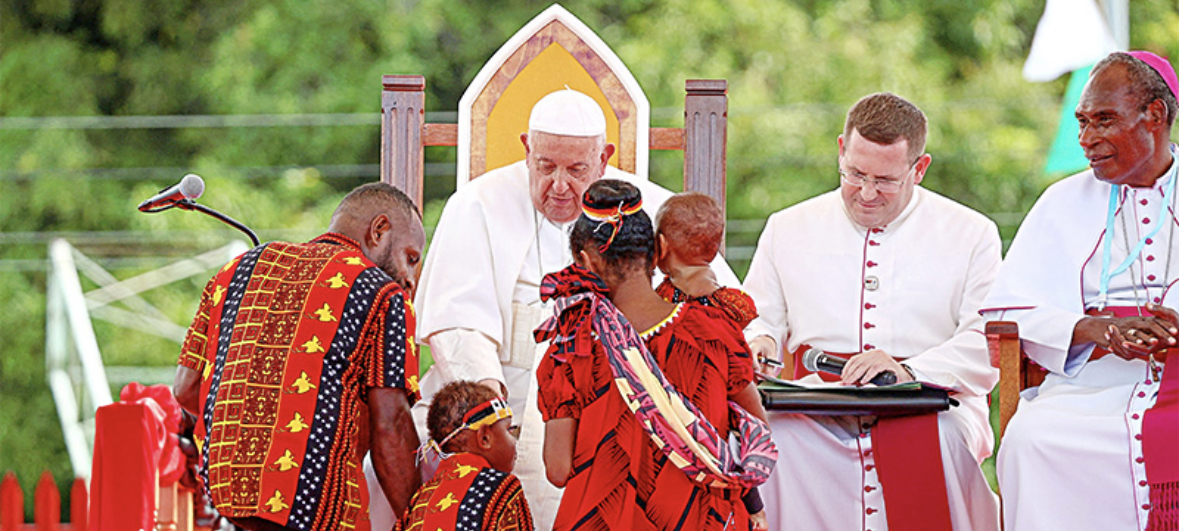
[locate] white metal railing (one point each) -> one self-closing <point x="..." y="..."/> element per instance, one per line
<point x="73" y="361"/>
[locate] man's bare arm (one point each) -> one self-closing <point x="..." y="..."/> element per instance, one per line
<point x="394" y="439"/>
<point x="187" y="388"/>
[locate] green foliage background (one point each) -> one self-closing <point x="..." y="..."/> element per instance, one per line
<point x="793" y="66"/>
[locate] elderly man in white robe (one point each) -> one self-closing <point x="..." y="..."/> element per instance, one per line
<point x="1089" y="274"/>
<point x="892" y="275"/>
<point x="478" y="300"/>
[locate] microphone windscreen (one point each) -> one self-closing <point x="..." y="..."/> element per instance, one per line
<point x="810" y="359"/>
<point x="192" y="186"/>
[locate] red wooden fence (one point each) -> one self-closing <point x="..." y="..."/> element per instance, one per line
<point x="46" y="505"/>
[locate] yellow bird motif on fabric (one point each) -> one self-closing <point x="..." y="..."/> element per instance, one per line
<point x="325" y="314"/>
<point x="303" y="384"/>
<point x="412" y="382"/>
<point x="228" y="266"/>
<point x="446" y="502"/>
<point x="337" y="281"/>
<point x="313" y="346"/>
<point x="217" y="294"/>
<point x="286" y="462"/>
<point x="296" y="424"/>
<point x="276" y="504"/>
<point x="353" y="260"/>
<point x="463" y="470"/>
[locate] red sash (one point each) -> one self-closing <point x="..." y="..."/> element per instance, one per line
<point x="908" y="463"/>
<point x="1160" y="438"/>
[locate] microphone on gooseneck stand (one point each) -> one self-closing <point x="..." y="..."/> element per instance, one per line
<point x="188" y="189"/>
<point x="815" y="360"/>
<point x="184" y="195"/>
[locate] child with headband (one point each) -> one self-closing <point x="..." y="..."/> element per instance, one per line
<point x="469" y="429"/>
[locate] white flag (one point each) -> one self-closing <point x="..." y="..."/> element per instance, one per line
<point x="1071" y="34"/>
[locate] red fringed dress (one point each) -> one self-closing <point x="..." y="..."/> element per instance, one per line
<point x="620" y="480"/>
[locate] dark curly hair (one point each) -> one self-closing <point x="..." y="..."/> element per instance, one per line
<point x="449" y="407"/>
<point x="634" y="244"/>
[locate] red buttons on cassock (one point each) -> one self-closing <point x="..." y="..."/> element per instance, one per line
<point x="1149" y="241"/>
<point x="1146" y="507"/>
<point x="1144" y="201"/>
<point x="1140" y="460"/>
<point x="1142" y="483"/>
<point x="1141" y="394"/>
<point x="870" y="510"/>
<point x="869" y="346"/>
<point x="1146" y="221"/>
<point x="1134" y="416"/>
<point x="869" y="467"/>
<point x="869" y="326"/>
<point x="873" y="242"/>
<point x="1150" y="258"/>
<point x="877" y="230"/>
<point x="869" y="306"/>
<point x="1157" y="300"/>
<point x="872" y="264"/>
<point x="1138" y="436"/>
<point x="869" y="488"/>
<point x="1150" y="277"/>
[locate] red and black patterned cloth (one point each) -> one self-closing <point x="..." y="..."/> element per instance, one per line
<point x="621" y="480"/>
<point x="467" y="494"/>
<point x="288" y="338"/>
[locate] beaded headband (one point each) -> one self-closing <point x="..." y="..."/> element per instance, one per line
<point x="484" y="414"/>
<point x="612" y="216"/>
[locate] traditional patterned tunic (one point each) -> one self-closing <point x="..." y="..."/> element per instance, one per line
<point x="621" y="481"/>
<point x="466" y="494"/>
<point x="288" y="338"/>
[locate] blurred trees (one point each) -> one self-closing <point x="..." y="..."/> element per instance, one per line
<point x="793" y="66"/>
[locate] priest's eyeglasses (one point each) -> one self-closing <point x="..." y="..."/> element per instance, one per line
<point x="886" y="185"/>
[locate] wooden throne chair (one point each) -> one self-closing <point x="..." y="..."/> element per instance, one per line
<point x="552" y="51"/>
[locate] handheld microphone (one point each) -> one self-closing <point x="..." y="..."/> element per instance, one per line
<point x="815" y="360"/>
<point x="189" y="188"/>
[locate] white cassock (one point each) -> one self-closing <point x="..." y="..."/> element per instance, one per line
<point x="1073" y="440"/>
<point x="478" y="302"/>
<point x="912" y="289"/>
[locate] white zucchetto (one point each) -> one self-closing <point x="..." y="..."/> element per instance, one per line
<point x="568" y="113"/>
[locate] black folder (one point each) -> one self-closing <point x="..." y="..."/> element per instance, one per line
<point x="899" y="400"/>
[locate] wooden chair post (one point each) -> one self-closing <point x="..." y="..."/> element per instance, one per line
<point x="1003" y="345"/>
<point x="403" y="114"/>
<point x="706" y="117"/>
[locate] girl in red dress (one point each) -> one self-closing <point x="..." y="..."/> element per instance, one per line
<point x="615" y="475"/>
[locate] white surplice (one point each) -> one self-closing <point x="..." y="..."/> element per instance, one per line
<point x="483" y="270"/>
<point x="1074" y="441"/>
<point x="912" y="289"/>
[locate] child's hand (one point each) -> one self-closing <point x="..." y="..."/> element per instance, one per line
<point x="758" y="521"/>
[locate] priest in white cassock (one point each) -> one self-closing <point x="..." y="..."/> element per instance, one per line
<point x="892" y="276"/>
<point x="1096" y="446"/>
<point x="478" y="300"/>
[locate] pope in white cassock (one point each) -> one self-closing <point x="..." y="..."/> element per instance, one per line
<point x="478" y="300"/>
<point x="894" y="274"/>
<point x="1096" y="446"/>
